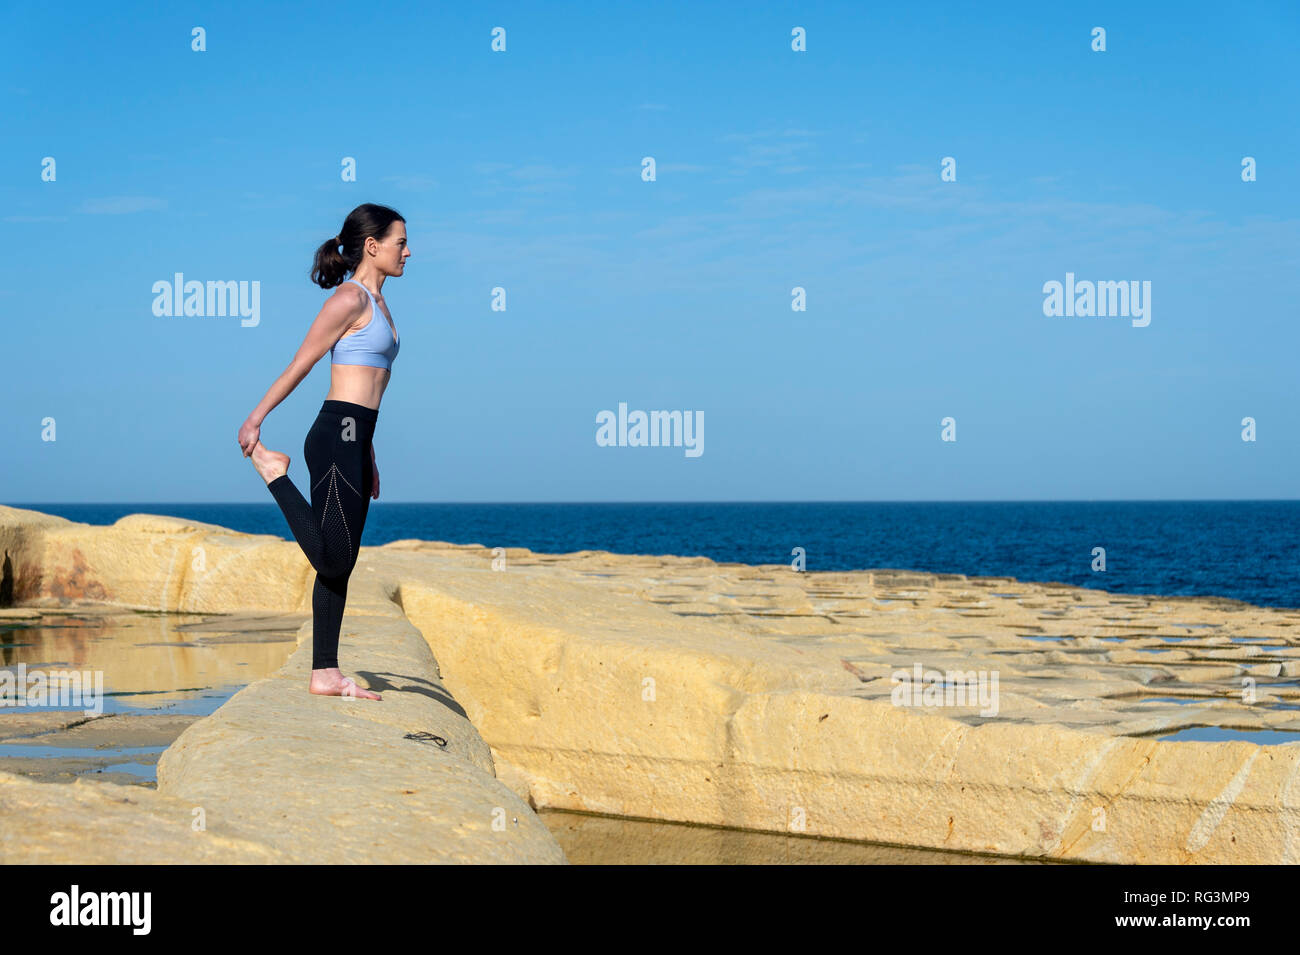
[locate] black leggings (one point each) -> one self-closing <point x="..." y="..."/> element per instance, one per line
<point x="337" y="451"/>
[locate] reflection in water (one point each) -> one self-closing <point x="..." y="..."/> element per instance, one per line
<point x="608" y="840"/>
<point x="181" y="663"/>
<point x="160" y="672"/>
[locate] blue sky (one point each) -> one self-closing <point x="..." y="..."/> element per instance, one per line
<point x="775" y="169"/>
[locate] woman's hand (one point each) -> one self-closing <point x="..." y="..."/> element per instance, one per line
<point x="249" y="434"/>
<point x="374" y="490"/>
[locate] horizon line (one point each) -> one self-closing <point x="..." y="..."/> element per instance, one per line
<point x="1107" y="500"/>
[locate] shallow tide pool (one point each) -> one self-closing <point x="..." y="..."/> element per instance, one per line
<point x="103" y="692"/>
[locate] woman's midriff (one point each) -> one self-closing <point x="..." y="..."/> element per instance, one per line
<point x="359" y="384"/>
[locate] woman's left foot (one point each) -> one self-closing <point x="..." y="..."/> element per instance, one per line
<point x="269" y="464"/>
<point x="332" y="682"/>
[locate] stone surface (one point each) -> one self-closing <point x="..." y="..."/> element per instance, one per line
<point x="773" y="707"/>
<point x="338" y="780"/>
<point x="276" y="774"/>
<point x="750" y="696"/>
<point x="91" y="823"/>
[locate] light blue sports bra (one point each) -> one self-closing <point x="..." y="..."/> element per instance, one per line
<point x="374" y="345"/>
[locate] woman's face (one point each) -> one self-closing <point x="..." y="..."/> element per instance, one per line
<point x="391" y="251"/>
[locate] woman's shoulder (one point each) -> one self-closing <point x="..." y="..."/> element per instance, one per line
<point x="352" y="294"/>
<point x="346" y="305"/>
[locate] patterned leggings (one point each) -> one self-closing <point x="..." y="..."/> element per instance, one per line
<point x="337" y="452"/>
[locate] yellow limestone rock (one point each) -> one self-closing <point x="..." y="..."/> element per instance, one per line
<point x="276" y="774"/>
<point x="756" y="721"/>
<point x="90" y="823"/>
<point x="334" y="779"/>
<point x="747" y="696"/>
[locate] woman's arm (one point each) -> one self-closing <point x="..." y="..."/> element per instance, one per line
<point x="341" y="309"/>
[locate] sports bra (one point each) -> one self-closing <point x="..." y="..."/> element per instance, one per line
<point x="374" y="344"/>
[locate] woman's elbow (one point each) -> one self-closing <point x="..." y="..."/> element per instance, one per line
<point x="300" y="368"/>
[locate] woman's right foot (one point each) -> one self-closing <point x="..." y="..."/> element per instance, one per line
<point x="331" y="682"/>
<point x="269" y="464"/>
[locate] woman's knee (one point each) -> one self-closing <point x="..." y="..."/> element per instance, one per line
<point x="336" y="566"/>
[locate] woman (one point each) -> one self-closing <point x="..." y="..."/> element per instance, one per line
<point x="355" y="328"/>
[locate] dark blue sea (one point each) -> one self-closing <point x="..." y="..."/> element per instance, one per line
<point x="1248" y="550"/>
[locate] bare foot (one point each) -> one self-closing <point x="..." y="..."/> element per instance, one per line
<point x="332" y="682"/>
<point x="270" y="464"/>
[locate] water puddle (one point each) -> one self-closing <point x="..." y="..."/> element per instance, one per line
<point x="1217" y="734"/>
<point x="137" y="680"/>
<point x="608" y="840"/>
<point x="1180" y="700"/>
<point x="70" y="761"/>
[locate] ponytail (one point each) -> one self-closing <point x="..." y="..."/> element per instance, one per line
<point x="342" y="254"/>
<point x="329" y="266"/>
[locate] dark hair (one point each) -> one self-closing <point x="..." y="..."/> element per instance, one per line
<point x="330" y="265"/>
